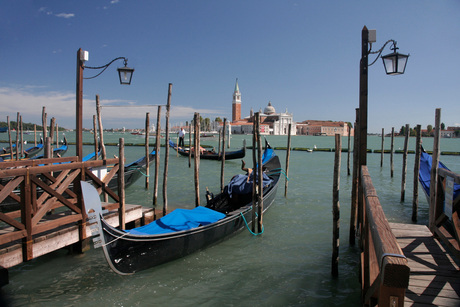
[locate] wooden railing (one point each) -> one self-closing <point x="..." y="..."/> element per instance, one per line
<point x="41" y="187"/>
<point x="444" y="197"/>
<point x="384" y="268"/>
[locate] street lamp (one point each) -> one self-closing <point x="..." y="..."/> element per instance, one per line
<point x="394" y="63"/>
<point x="125" y="74"/>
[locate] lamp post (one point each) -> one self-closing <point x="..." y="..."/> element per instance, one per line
<point x="394" y="63"/>
<point x="125" y="74"/>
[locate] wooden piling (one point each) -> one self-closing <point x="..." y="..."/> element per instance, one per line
<point x="354" y="189"/>
<point x="404" y="166"/>
<point x="260" y="194"/>
<point x="147" y="152"/>
<point x="165" y="174"/>
<point x="35" y="135"/>
<point x="157" y="162"/>
<point x="222" y="166"/>
<point x="418" y="146"/>
<point x="121" y="183"/>
<point x="95" y="137"/>
<point x="22" y="138"/>
<point x="434" y="172"/>
<point x="17" y="137"/>
<point x="382" y="148"/>
<point x="348" y="153"/>
<point x="336" y="206"/>
<point x="52" y="126"/>
<point x="392" y="151"/>
<point x="47" y="147"/>
<point x="254" y="163"/>
<point x="101" y="130"/>
<point x="9" y="138"/>
<point x="288" y="155"/>
<point x="57" y="135"/>
<point x="44" y="123"/>
<point x="196" y="156"/>
<point x="190" y="145"/>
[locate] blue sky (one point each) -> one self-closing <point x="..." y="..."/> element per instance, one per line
<point x="302" y="56"/>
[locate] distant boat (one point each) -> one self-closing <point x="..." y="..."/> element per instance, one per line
<point x="210" y="154"/>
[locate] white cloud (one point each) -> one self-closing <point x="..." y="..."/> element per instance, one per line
<point x="65" y="15"/>
<point x="114" y="1"/>
<point x="29" y="101"/>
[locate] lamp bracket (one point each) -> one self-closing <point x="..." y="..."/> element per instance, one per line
<point x="104" y="67"/>
<point x="379" y="52"/>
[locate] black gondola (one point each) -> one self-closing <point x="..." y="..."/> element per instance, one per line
<point x="137" y="249"/>
<point x="28" y="153"/>
<point x="57" y="152"/>
<point x="210" y="154"/>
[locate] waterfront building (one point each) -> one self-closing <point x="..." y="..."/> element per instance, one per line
<point x="326" y="128"/>
<point x="270" y="122"/>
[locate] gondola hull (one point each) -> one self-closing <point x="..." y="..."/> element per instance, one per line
<point x="210" y="155"/>
<point x="127" y="253"/>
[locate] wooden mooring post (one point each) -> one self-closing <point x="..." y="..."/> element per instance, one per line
<point x="165" y="174"/>
<point x="147" y="151"/>
<point x="121" y="182"/>
<point x="255" y="134"/>
<point x="288" y="155"/>
<point x="157" y="162"/>
<point x="392" y="151"/>
<point x="222" y="167"/>
<point x="435" y="205"/>
<point x="96" y="147"/>
<point x="354" y="188"/>
<point x="260" y="194"/>
<point x="336" y="206"/>
<point x="382" y="148"/>
<point x="404" y="166"/>
<point x="9" y="138"/>
<point x="418" y="147"/>
<point x="196" y="156"/>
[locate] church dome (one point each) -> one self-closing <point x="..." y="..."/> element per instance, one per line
<point x="269" y="109"/>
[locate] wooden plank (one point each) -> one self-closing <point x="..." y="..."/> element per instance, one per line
<point x="434" y="275"/>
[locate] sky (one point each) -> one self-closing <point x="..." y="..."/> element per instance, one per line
<point x="300" y="55"/>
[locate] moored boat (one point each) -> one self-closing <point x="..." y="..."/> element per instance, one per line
<point x="210" y="154"/>
<point x="182" y="231"/>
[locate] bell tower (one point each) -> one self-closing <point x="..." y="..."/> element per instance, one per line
<point x="236" y="104"/>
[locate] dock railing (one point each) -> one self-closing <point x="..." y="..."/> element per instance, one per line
<point x="444" y="199"/>
<point x="48" y="194"/>
<point x="384" y="268"/>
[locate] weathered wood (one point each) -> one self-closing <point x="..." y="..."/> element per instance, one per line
<point x="190" y="145"/>
<point x="196" y="158"/>
<point x="288" y="155"/>
<point x="96" y="149"/>
<point x="22" y="138"/>
<point x="382" y="147"/>
<point x="404" y="166"/>
<point x="392" y="151"/>
<point x="44" y="123"/>
<point x="260" y="194"/>
<point x="165" y="174"/>
<point x="349" y="151"/>
<point x="222" y="165"/>
<point x="52" y="126"/>
<point x="434" y="274"/>
<point x="147" y="151"/>
<point x="434" y="171"/>
<point x="354" y="188"/>
<point x="35" y="135"/>
<point x="418" y="146"/>
<point x="121" y="183"/>
<point x="101" y="129"/>
<point x="336" y="206"/>
<point x="9" y="138"/>
<point x="157" y="162"/>
<point x="254" y="163"/>
<point x="17" y="136"/>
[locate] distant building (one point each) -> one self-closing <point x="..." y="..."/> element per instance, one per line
<point x="327" y="128"/>
<point x="270" y="122"/>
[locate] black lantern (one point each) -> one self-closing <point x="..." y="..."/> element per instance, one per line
<point x="395" y="63"/>
<point x="125" y="74"/>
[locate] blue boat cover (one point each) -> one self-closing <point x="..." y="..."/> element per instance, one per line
<point x="241" y="185"/>
<point x="178" y="220"/>
<point x="425" y="174"/>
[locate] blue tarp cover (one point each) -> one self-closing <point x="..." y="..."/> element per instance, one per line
<point x="240" y="184"/>
<point x="425" y="174"/>
<point x="178" y="220"/>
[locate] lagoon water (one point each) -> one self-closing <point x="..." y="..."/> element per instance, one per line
<point x="289" y="265"/>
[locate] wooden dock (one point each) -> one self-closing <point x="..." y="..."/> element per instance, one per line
<point x="11" y="254"/>
<point x="434" y="275"/>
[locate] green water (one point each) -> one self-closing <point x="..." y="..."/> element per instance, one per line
<point x="289" y="265"/>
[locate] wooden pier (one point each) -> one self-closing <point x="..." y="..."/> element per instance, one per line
<point x="434" y="276"/>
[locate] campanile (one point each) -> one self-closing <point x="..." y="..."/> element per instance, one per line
<point x="236" y="104"/>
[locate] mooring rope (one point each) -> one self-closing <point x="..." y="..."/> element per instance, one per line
<point x="247" y="226"/>
<point x="117" y="238"/>
<point x="279" y="171"/>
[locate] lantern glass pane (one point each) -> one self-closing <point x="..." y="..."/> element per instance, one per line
<point x="402" y="60"/>
<point x="390" y="65"/>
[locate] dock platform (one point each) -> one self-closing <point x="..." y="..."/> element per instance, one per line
<point x="11" y="254"/>
<point x="434" y="275"/>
